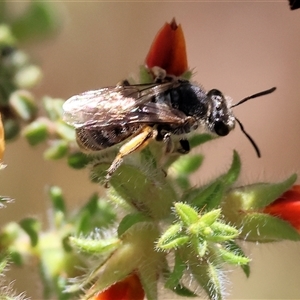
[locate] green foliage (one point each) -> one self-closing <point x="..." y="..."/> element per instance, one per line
<point x="39" y="20"/>
<point x="163" y="228"/>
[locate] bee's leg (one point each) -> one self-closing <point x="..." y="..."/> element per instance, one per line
<point x="124" y="82"/>
<point x="159" y="74"/>
<point x="139" y="141"/>
<point x="184" y="146"/>
<point x="168" y="142"/>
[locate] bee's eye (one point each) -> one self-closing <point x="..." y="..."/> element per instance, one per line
<point x="221" y="128"/>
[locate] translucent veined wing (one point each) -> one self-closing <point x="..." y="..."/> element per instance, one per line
<point x="110" y="104"/>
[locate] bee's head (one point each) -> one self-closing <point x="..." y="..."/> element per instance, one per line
<point x="220" y="119"/>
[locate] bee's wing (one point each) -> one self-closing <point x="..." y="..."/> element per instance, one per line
<point x="111" y="104"/>
<point x="97" y="106"/>
<point x="154" y="113"/>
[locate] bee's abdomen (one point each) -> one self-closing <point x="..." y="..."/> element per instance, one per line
<point x="96" y="139"/>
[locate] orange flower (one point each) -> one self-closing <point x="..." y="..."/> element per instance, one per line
<point x="168" y="50"/>
<point x="287" y="207"/>
<point x="128" y="289"/>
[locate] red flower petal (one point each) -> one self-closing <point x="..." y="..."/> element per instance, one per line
<point x="168" y="50"/>
<point x="128" y="289"/>
<point x="287" y="207"/>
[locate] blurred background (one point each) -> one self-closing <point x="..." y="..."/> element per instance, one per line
<point x="238" y="47"/>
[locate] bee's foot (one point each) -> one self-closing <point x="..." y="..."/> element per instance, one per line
<point x="106" y="181"/>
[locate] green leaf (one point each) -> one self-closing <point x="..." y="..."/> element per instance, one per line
<point x="36" y="132"/>
<point x="15" y="257"/>
<point x="199" y="139"/>
<point x="188" y="164"/>
<point x="183" y="182"/>
<point x="208" y="196"/>
<point x="198" y="244"/>
<point x="39" y="20"/>
<point x="23" y="104"/>
<point x="172" y="232"/>
<point x="96" y="213"/>
<point x="56" y="196"/>
<point x="211" y="217"/>
<point x="6" y="36"/>
<point x="259" y="227"/>
<point x="130" y="220"/>
<point x="222" y="232"/>
<point x="173" y="279"/>
<point x="83" y="223"/>
<point x="95" y="246"/>
<point x="246" y="269"/>
<point x="148" y="277"/>
<point x="187" y="75"/>
<point x="211" y="195"/>
<point x="202" y="248"/>
<point x="173" y="242"/>
<point x="234" y="171"/>
<point x="209" y="277"/>
<point x="11" y="129"/>
<point x="232" y="258"/>
<point x="183" y="291"/>
<point x="92" y="205"/>
<point x="53" y="108"/>
<point x="145" y="75"/>
<point x="258" y="195"/>
<point x="27" y="77"/>
<point x="215" y="197"/>
<point x="203" y="223"/>
<point x="31" y="227"/>
<point x="186" y="213"/>
<point x="177" y="273"/>
<point x="235" y="248"/>
<point x="57" y="150"/>
<point x="3" y="263"/>
<point x="143" y="188"/>
<point x="148" y="158"/>
<point x="215" y="283"/>
<point x="78" y="160"/>
<point x="66" y="243"/>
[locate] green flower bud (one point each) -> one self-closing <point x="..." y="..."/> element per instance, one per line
<point x="78" y="160"/>
<point x="95" y="246"/>
<point x="56" y="196"/>
<point x="36" y="132"/>
<point x="23" y="104"/>
<point x="6" y="36"/>
<point x="11" y="129"/>
<point x="186" y="213"/>
<point x="28" y="77"/>
<point x="57" y="150"/>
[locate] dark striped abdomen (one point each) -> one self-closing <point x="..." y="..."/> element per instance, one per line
<point x="93" y="139"/>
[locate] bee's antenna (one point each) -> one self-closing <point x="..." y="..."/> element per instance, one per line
<point x="249" y="137"/>
<point x="255" y="96"/>
<point x="266" y="92"/>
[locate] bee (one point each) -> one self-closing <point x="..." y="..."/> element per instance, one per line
<point x="133" y="115"/>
